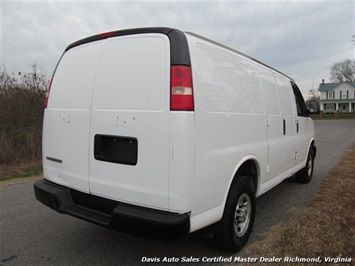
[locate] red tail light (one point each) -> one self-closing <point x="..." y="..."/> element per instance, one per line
<point x="47" y="94"/>
<point x="181" y="94"/>
<point x="107" y="34"/>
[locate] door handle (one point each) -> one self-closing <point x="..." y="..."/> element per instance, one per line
<point x="297" y="124"/>
<point x="284" y="125"/>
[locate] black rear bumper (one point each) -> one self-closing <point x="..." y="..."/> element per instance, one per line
<point x="135" y="220"/>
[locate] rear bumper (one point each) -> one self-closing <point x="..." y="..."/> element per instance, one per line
<point x="135" y="220"/>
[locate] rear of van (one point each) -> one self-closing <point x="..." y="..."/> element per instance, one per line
<point x="118" y="133"/>
<point x="160" y="133"/>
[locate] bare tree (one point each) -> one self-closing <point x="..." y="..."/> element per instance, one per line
<point x="313" y="94"/>
<point x="7" y="80"/>
<point x="343" y="71"/>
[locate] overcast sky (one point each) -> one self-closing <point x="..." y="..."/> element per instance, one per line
<point x="299" y="38"/>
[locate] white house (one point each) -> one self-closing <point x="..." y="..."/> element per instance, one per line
<point x="337" y="97"/>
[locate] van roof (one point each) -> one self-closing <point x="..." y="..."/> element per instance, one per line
<point x="179" y="48"/>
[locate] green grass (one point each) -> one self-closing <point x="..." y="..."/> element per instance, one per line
<point x="334" y="116"/>
<point x="20" y="171"/>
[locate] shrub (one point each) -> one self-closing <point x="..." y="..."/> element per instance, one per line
<point x="21" y="114"/>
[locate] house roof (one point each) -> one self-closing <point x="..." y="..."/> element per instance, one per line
<point x="331" y="86"/>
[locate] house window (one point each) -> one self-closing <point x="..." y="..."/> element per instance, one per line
<point x="330" y="107"/>
<point x="330" y="94"/>
<point x="343" y="95"/>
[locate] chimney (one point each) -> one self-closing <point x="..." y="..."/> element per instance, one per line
<point x="322" y="81"/>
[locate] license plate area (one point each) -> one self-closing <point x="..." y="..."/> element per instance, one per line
<point x="116" y="149"/>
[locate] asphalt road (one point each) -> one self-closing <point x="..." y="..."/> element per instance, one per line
<point x="32" y="234"/>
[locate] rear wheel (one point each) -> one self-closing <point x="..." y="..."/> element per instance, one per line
<point x="305" y="174"/>
<point x="234" y="230"/>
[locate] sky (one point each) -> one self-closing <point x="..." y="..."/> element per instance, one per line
<point x="299" y="38"/>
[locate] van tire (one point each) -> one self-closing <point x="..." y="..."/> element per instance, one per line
<point x="232" y="234"/>
<point x="304" y="175"/>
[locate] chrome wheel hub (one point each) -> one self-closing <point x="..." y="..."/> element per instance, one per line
<point x="242" y="215"/>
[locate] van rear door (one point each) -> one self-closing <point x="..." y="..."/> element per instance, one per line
<point x="129" y="127"/>
<point x="67" y="118"/>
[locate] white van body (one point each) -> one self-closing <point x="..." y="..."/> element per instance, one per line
<point x="113" y="134"/>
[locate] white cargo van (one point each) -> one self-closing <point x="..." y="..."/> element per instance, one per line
<point x="159" y="133"/>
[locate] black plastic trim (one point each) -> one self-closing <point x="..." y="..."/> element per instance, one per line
<point x="135" y="220"/>
<point x="116" y="149"/>
<point x="179" y="50"/>
<point x="54" y="159"/>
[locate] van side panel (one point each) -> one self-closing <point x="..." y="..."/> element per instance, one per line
<point x="289" y="137"/>
<point x="229" y="122"/>
<point x="67" y="118"/>
<point x="274" y="123"/>
<point x="131" y="100"/>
